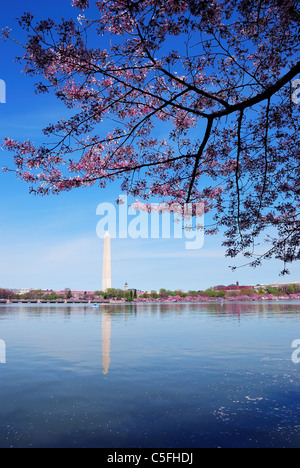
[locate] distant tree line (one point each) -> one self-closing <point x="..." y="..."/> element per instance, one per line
<point x="129" y="296"/>
<point x="117" y="294"/>
<point x="35" y="294"/>
<point x="165" y="293"/>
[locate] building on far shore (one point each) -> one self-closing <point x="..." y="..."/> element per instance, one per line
<point x="281" y="286"/>
<point x="77" y="295"/>
<point x="237" y="288"/>
<point x="233" y="288"/>
<point x="21" y="291"/>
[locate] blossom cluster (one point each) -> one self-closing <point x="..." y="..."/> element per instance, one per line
<point x="182" y="100"/>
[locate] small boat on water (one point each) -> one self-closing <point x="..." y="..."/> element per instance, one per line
<point x="95" y="306"/>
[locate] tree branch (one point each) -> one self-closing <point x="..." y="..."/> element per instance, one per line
<point x="198" y="158"/>
<point x="266" y="94"/>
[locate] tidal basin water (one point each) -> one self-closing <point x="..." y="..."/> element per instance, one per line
<point x="159" y="376"/>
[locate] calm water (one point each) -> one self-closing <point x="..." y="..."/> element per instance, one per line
<point x="150" y="376"/>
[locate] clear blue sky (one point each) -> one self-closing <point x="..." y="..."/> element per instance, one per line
<point x="51" y="242"/>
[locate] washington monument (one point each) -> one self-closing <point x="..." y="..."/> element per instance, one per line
<point x="106" y="276"/>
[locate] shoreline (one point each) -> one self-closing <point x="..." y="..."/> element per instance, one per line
<point x="259" y="300"/>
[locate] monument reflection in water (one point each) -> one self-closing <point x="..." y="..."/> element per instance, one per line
<point x="106" y="337"/>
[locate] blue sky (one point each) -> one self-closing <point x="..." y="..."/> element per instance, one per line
<point x="51" y="242"/>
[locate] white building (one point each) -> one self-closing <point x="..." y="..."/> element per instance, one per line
<point x="21" y="291"/>
<point x="277" y="285"/>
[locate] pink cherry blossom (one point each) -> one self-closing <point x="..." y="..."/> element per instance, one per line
<point x="185" y="101"/>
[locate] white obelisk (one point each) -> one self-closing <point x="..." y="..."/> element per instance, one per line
<point x="106" y="277"/>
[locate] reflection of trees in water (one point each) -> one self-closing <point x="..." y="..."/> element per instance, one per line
<point x="258" y="307"/>
<point x="214" y="309"/>
<point x="225" y="309"/>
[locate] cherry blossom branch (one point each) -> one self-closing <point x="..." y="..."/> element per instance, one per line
<point x="198" y="157"/>
<point x="265" y="95"/>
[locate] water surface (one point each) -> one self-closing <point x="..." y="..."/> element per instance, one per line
<point x="153" y="375"/>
